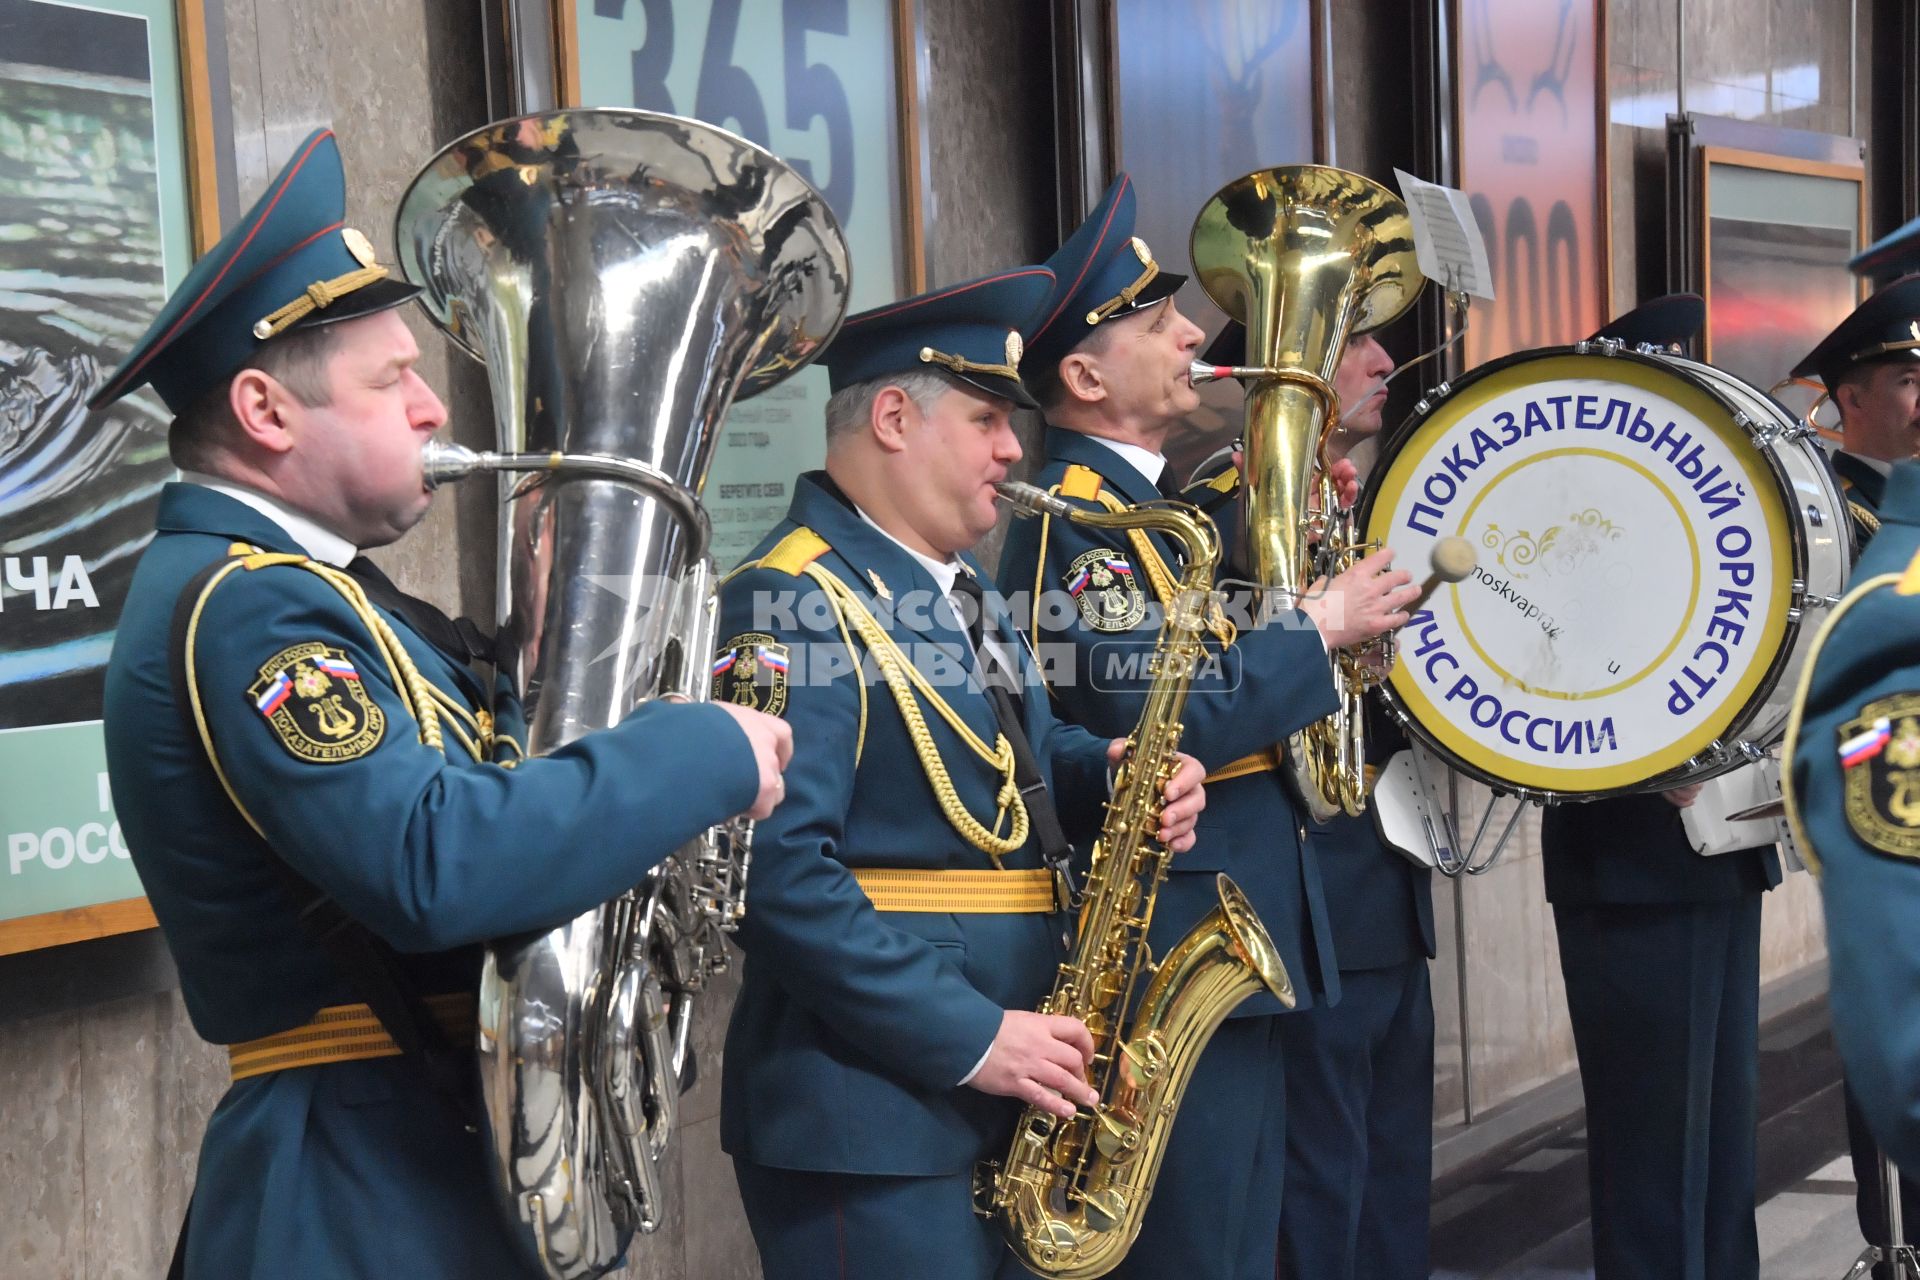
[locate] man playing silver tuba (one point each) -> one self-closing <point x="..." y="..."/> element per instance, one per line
<point x="311" y="785"/>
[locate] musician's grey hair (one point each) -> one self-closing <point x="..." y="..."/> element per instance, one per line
<point x="851" y="408"/>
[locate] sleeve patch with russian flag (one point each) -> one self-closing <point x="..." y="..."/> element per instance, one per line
<point x="312" y="698"/>
<point x="750" y="670"/>
<point x="1106" y="591"/>
<point x="1880" y="763"/>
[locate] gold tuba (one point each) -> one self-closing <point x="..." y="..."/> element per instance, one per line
<point x="1072" y="1194"/>
<point x="624" y="276"/>
<point x="1306" y="257"/>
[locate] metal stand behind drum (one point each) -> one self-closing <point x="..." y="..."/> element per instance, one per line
<point x="1653" y="534"/>
<point x="623" y="275"/>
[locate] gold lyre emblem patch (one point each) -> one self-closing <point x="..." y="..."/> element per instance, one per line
<point x="312" y="698"/>
<point x="1104" y="588"/>
<point x="1880" y="761"/>
<point x="750" y="670"/>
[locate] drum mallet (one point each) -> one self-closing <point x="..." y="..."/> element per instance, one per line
<point x="1453" y="559"/>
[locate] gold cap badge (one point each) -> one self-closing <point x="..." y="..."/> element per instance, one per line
<point x="359" y="246"/>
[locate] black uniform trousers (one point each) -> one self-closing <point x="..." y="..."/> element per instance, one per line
<point x="1664" y="1001"/>
<point x="1360" y="1129"/>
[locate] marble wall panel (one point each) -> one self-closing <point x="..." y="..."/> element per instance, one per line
<point x="1793" y="932"/>
<point x="392" y="102"/>
<point x="42" y="1153"/>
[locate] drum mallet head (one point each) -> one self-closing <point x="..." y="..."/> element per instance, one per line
<point x="1453" y="559"/>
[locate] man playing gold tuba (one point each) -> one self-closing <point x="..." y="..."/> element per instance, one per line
<point x="1110" y="363"/>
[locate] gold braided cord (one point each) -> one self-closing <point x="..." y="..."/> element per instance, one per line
<point x="474" y="732"/>
<point x="1126" y="296"/>
<point x="1867" y="519"/>
<point x="904" y="681"/>
<point x="318" y="296"/>
<point x="960" y="364"/>
<point x="1790" y="743"/>
<point x="415" y="689"/>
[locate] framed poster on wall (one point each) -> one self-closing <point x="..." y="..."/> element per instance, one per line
<point x="1775" y="234"/>
<point x="1186" y="96"/>
<point x="830" y="86"/>
<point x="106" y="192"/>
<point x="1529" y="101"/>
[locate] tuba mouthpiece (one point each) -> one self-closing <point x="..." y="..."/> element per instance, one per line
<point x="443" y="462"/>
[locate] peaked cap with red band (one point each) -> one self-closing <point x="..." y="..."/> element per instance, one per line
<point x="1101" y="273"/>
<point x="291" y="262"/>
<point x="970" y="330"/>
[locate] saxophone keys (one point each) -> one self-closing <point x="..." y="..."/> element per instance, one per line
<point x="1106" y="1208"/>
<point x="1117" y="1134"/>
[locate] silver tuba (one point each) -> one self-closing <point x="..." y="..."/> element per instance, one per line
<point x="623" y="275"/>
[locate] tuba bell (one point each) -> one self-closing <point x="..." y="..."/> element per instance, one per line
<point x="1306" y="257"/>
<point x="623" y="275"/>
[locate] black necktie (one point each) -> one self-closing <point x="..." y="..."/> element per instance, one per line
<point x="1167" y="485"/>
<point x="987" y="659"/>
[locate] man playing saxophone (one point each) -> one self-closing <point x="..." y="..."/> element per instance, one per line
<point x="1110" y="365"/>
<point x="305" y="767"/>
<point x="904" y="919"/>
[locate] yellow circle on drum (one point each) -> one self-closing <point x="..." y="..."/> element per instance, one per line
<point x="1686" y="614"/>
<point x="1433" y="435"/>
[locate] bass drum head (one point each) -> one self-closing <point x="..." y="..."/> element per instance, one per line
<point x="1636" y="584"/>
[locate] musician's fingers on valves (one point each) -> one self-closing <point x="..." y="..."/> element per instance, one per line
<point x="1367" y="599"/>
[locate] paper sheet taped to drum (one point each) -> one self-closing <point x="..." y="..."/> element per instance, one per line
<point x="1640" y="529"/>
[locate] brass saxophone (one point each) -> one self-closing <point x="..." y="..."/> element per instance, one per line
<point x="1071" y="1194"/>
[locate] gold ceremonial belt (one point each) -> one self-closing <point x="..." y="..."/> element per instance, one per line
<point x="1263" y="760"/>
<point x="344" y="1033"/>
<point x="959" y="892"/>
<point x="1259" y="762"/>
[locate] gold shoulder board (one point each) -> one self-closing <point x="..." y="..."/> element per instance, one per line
<point x="1081" y="482"/>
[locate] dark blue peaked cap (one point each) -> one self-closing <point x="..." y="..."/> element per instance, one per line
<point x="291" y="262"/>
<point x="1101" y="272"/>
<point x="1884" y="327"/>
<point x="1890" y="257"/>
<point x="1667" y="321"/>
<point x="970" y="330"/>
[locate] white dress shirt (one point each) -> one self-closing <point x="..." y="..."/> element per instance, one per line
<point x="322" y="544"/>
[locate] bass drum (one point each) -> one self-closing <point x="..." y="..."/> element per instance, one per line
<point x="1656" y="539"/>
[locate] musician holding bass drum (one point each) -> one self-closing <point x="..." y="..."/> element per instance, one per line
<point x="1658" y="541"/>
<point x="309" y="775"/>
<point x="1660" y="950"/>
